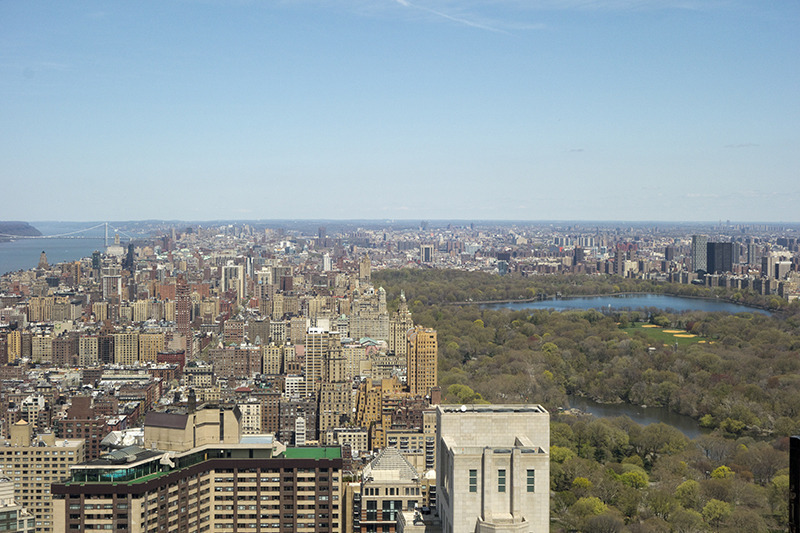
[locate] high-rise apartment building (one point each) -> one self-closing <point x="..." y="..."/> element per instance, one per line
<point x="699" y="251"/>
<point x="399" y="324"/>
<point x="13" y="516"/>
<point x="233" y="279"/>
<point x="426" y="253"/>
<point x="421" y="357"/>
<point x="217" y="482"/>
<point x="365" y="270"/>
<point x="126" y="348"/>
<point x="322" y="347"/>
<point x="82" y="421"/>
<point x="493" y="468"/>
<point x="34" y="463"/>
<point x="719" y="257"/>
<point x="112" y="288"/>
<point x="150" y="344"/>
<point x="183" y="306"/>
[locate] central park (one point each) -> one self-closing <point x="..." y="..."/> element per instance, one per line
<point x="735" y="374"/>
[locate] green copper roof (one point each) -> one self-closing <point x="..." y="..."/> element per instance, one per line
<point x="313" y="453"/>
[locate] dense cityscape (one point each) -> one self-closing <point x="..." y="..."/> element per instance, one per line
<point x="246" y="377"/>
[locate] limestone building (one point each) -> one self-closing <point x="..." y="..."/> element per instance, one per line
<point x="493" y="468"/>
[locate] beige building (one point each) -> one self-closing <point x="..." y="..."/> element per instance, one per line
<point x="13" y="516"/>
<point x="421" y="353"/>
<point x="335" y="405"/>
<point x="356" y="438"/>
<point x="251" y="416"/>
<point x="42" y="348"/>
<point x="183" y="431"/>
<point x="149" y="346"/>
<point x="100" y="311"/>
<point x="126" y="348"/>
<point x="252" y="483"/>
<point x="493" y="468"/>
<point x="389" y="485"/>
<point x="33" y="463"/>
<point x="399" y="324"/>
<point x="272" y="359"/>
<point x="88" y="350"/>
<point x="198" y="375"/>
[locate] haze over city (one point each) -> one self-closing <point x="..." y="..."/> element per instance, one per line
<point x="432" y="109"/>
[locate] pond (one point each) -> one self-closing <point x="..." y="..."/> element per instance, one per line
<point x="641" y="415"/>
<point x="623" y="302"/>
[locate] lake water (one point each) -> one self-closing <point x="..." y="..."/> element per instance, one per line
<point x="624" y="302"/>
<point x="641" y="415"/>
<point x="23" y="254"/>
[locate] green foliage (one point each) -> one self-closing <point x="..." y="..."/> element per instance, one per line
<point x="636" y="479"/>
<point x="687" y="521"/>
<point x="722" y="472"/>
<point x="559" y="454"/>
<point x="732" y="426"/>
<point x="715" y="511"/>
<point x="463" y="394"/>
<point x="587" y="506"/>
<point x="688" y="494"/>
<point x="582" y="483"/>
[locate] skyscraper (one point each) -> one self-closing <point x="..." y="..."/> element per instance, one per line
<point x="233" y="279"/>
<point x="421" y="357"/>
<point x="699" y="253"/>
<point x="183" y="303"/>
<point x="324" y="360"/>
<point x="719" y="257"/>
<point x="365" y="269"/>
<point x="426" y="253"/>
<point x="399" y="324"/>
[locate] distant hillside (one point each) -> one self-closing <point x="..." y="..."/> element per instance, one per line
<point x="17" y="228"/>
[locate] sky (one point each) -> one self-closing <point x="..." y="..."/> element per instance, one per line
<point x="667" y="110"/>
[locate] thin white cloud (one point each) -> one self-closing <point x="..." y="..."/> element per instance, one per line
<point x="741" y="145"/>
<point x="452" y="18"/>
<point x="607" y="5"/>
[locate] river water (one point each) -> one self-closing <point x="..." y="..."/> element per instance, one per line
<point x="624" y="302"/>
<point x="23" y="254"/>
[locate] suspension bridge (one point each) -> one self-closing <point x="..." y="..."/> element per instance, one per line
<point x="77" y="234"/>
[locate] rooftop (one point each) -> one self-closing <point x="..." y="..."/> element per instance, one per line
<point x="493" y="408"/>
<point x="313" y="453"/>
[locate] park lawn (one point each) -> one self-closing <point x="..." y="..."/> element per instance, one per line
<point x="659" y="336"/>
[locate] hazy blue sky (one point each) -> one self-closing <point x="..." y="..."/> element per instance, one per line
<point x="469" y="109"/>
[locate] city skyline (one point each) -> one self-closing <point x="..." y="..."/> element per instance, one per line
<point x="526" y="111"/>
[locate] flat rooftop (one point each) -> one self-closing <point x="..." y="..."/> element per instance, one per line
<point x="313" y="453"/>
<point x="493" y="408"/>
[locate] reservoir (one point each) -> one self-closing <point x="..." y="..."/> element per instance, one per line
<point x="631" y="302"/>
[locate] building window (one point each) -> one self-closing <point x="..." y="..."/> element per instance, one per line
<point x="531" y="480"/>
<point x="473" y="481"/>
<point x="501" y="480"/>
